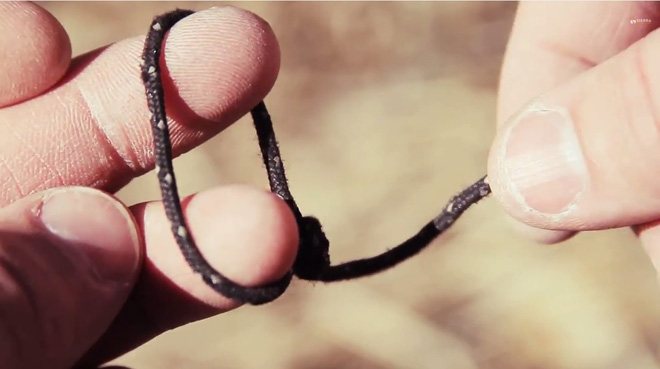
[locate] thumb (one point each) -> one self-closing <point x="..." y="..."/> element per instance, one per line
<point x="68" y="260"/>
<point x="585" y="156"/>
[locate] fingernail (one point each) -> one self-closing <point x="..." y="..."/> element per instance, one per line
<point x="98" y="226"/>
<point x="542" y="162"/>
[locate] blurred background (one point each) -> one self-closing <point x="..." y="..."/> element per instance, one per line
<point x="384" y="111"/>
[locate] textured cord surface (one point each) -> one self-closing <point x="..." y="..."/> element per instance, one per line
<point x="313" y="259"/>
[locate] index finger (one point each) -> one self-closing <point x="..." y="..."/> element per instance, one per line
<point x="93" y="129"/>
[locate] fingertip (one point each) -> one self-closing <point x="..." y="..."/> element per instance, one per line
<point x="518" y="219"/>
<point x="537" y="168"/>
<point x="107" y="235"/>
<point x="35" y="50"/>
<point x="221" y="61"/>
<point x="500" y="188"/>
<point x="252" y="238"/>
<point x="248" y="235"/>
<point x="539" y="235"/>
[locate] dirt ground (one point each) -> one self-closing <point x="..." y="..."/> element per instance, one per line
<point x="384" y="111"/>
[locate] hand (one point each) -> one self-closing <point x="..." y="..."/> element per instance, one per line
<point x="82" y="277"/>
<point x="578" y="142"/>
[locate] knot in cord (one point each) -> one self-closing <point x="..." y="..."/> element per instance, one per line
<point x="314" y="252"/>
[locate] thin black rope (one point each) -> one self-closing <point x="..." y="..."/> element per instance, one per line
<point x="313" y="259"/>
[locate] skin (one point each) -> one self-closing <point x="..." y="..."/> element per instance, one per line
<point x="74" y="282"/>
<point x="596" y="74"/>
<point x="83" y="278"/>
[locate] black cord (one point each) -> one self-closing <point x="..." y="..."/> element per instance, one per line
<point x="151" y="75"/>
<point x="313" y="259"/>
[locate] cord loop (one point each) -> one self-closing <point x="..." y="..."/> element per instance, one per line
<point x="313" y="259"/>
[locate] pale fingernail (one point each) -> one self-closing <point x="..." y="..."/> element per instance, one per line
<point x="542" y="163"/>
<point x="98" y="226"/>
